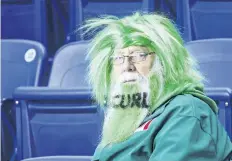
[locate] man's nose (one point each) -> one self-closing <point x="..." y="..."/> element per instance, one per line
<point x="128" y="66"/>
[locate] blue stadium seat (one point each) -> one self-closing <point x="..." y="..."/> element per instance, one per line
<point x="25" y="19"/>
<point x="82" y="10"/>
<point x="21" y="62"/>
<point x="17" y="17"/>
<point x="215" y="59"/>
<point x="69" y="66"/>
<point x="215" y="62"/>
<point x="223" y="98"/>
<point x="204" y="19"/>
<point x="166" y="7"/>
<point x="61" y="119"/>
<point x="60" y="158"/>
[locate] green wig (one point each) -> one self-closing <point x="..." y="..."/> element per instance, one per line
<point x="153" y="31"/>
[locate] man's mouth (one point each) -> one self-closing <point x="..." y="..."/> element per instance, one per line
<point x="129" y="81"/>
<point x="128" y="77"/>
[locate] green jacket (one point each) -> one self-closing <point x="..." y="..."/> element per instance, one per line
<point x="183" y="129"/>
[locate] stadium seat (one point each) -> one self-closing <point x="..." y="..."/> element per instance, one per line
<point x="21" y="15"/>
<point x="69" y="66"/>
<point x="204" y="19"/>
<point x="25" y="19"/>
<point x="60" y="158"/>
<point x="61" y="119"/>
<point x="83" y="10"/>
<point x="21" y="62"/>
<point x="215" y="62"/>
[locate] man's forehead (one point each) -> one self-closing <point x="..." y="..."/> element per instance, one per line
<point x="130" y="49"/>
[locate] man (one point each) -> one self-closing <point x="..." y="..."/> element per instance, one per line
<point x="156" y="109"/>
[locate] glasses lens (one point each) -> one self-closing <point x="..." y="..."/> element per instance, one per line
<point x="139" y="57"/>
<point x="118" y="60"/>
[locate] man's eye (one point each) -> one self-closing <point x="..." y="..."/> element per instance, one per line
<point x="142" y="55"/>
<point x="118" y="58"/>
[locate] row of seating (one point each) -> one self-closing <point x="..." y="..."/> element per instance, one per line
<point x="62" y="119"/>
<point x="192" y="16"/>
<point x="22" y="61"/>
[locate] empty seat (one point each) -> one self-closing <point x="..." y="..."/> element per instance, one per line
<point x="204" y="19"/>
<point x="26" y="19"/>
<point x="69" y="66"/>
<point x="21" y="62"/>
<point x="18" y="20"/>
<point x="215" y="62"/>
<point x="83" y="10"/>
<point x="61" y="119"/>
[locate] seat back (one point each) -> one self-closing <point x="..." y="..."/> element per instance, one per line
<point x="21" y="61"/>
<point x="26" y="19"/>
<point x="60" y="158"/>
<point x="215" y="60"/>
<point x="18" y="20"/>
<point x="61" y="125"/>
<point x="83" y="10"/>
<point x="204" y="19"/>
<point x="58" y="126"/>
<point x="120" y="8"/>
<point x="223" y="98"/>
<point x="69" y="66"/>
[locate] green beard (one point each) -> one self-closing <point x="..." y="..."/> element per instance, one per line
<point x="122" y="121"/>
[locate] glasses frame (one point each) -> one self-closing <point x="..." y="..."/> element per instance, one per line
<point x="130" y="60"/>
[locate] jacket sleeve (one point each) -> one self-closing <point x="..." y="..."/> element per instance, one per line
<point x="182" y="139"/>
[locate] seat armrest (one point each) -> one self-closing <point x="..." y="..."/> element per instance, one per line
<point x="48" y="93"/>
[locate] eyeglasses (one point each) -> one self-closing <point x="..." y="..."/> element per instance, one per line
<point x="135" y="58"/>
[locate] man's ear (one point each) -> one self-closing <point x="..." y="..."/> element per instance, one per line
<point x="105" y="102"/>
